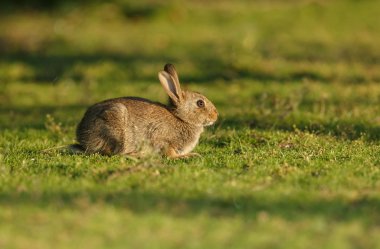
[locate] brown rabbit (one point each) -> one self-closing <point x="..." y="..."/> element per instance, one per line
<point x="122" y="125"/>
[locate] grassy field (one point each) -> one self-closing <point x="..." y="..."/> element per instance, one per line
<point x="293" y="162"/>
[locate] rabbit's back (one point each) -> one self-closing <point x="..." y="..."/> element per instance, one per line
<point x="122" y="125"/>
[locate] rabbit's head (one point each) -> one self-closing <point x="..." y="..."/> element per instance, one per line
<point x="191" y="107"/>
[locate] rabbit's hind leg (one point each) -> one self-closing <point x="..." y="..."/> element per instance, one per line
<point x="112" y="132"/>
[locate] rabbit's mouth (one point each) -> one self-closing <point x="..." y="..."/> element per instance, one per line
<point x="209" y="123"/>
<point x="211" y="119"/>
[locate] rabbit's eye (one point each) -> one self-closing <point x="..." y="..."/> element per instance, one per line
<point x="200" y="103"/>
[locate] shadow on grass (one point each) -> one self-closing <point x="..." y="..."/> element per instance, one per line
<point x="49" y="68"/>
<point x="35" y="117"/>
<point x="130" y="9"/>
<point x="38" y="4"/>
<point x="350" y="130"/>
<point x="140" y="202"/>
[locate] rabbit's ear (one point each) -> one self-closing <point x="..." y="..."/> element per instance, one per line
<point x="171" y="87"/>
<point x="169" y="68"/>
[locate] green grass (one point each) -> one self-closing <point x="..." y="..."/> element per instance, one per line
<point x="293" y="162"/>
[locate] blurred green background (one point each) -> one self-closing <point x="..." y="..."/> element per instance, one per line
<point x="215" y="40"/>
<point x="293" y="161"/>
<point x="78" y="52"/>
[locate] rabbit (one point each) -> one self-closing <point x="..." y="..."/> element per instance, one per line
<point x="120" y="126"/>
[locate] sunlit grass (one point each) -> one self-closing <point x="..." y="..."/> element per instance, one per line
<point x="293" y="161"/>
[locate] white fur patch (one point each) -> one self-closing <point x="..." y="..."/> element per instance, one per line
<point x="190" y="146"/>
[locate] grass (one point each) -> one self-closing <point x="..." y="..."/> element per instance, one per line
<point x="293" y="161"/>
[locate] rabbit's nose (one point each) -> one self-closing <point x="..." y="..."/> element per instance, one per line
<point x="215" y="114"/>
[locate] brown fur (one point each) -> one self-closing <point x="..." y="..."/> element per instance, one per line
<point x="124" y="125"/>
